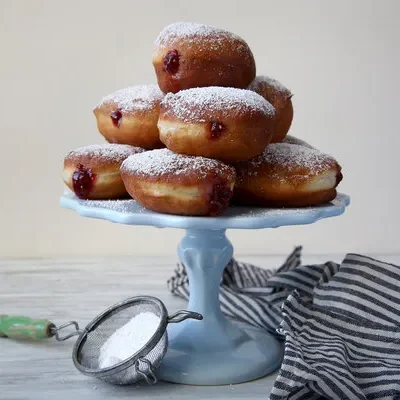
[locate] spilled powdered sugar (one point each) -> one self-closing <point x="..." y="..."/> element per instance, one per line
<point x="262" y="81"/>
<point x="127" y="206"/>
<point x="139" y="97"/>
<point x="199" y="35"/>
<point x="293" y="156"/>
<point x="195" y="105"/>
<point x="165" y="162"/>
<point x="110" y="152"/>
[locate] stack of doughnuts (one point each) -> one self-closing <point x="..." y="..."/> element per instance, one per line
<point x="210" y="134"/>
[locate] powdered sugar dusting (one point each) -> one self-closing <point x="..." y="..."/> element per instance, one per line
<point x="195" y="105"/>
<point x="139" y="97"/>
<point x="202" y="36"/>
<point x="122" y="206"/>
<point x="260" y="82"/>
<point x="292" y="156"/>
<point x="108" y="152"/>
<point x="165" y="162"/>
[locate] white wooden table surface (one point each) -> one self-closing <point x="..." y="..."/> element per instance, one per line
<point x="65" y="289"/>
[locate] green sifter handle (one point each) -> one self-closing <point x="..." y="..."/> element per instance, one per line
<point x="16" y="327"/>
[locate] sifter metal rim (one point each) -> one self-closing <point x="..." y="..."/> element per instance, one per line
<point x="123" y="365"/>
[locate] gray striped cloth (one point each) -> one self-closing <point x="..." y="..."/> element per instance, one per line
<point x="340" y="323"/>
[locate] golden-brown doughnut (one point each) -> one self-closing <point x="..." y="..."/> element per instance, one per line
<point x="92" y="172"/>
<point x="287" y="175"/>
<point x="294" y="140"/>
<point x="130" y="115"/>
<point x="171" y="183"/>
<point x="280" y="97"/>
<point x="223" y="123"/>
<point x="191" y="55"/>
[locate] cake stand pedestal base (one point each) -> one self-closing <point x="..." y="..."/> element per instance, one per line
<point x="214" y="351"/>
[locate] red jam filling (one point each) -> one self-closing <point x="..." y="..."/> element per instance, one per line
<point x="220" y="196"/>
<point x="83" y="182"/>
<point x="216" y="129"/>
<point x="171" y="62"/>
<point x="116" y="117"/>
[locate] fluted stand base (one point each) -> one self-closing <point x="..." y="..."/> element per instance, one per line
<point x="214" y="351"/>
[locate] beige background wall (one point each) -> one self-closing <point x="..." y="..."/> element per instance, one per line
<point x="58" y="58"/>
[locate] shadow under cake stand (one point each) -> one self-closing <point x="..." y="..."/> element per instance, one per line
<point x="216" y="350"/>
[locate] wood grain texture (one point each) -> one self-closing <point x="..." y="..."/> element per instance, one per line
<point x="61" y="290"/>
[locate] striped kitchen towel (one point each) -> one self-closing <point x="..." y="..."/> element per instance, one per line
<point x="341" y="323"/>
<point x="344" y="342"/>
<point x="245" y="294"/>
<point x="255" y="295"/>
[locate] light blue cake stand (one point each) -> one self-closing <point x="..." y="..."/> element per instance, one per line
<point x="216" y="350"/>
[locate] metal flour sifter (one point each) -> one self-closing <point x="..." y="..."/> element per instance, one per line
<point x="141" y="365"/>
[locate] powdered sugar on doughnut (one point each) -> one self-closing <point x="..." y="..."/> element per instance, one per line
<point x="139" y="97"/>
<point x="262" y="81"/>
<point x="194" y="105"/>
<point x="294" y="140"/>
<point x="165" y="162"/>
<point x="199" y="35"/>
<point x="108" y="152"/>
<point x="292" y="156"/>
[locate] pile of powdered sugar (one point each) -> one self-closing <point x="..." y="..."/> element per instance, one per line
<point x="195" y="105"/>
<point x="128" y="339"/>
<point x="107" y="152"/>
<point x="165" y="162"/>
<point x="139" y="97"/>
<point x="122" y="206"/>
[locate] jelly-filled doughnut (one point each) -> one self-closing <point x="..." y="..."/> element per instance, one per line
<point x="92" y="172"/>
<point x="294" y="140"/>
<point x="130" y="115"/>
<point x="287" y="175"/>
<point x="280" y="97"/>
<point x="167" y="182"/>
<point x="223" y="123"/>
<point x="191" y="55"/>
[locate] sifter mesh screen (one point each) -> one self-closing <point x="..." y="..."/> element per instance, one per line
<point x="88" y="349"/>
